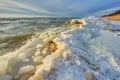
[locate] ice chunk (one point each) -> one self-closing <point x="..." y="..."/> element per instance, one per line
<point x="3" y="67"/>
<point x="26" y="69"/>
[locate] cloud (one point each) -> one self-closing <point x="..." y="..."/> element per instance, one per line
<point x="15" y="4"/>
<point x="106" y="11"/>
<point x="11" y="9"/>
<point x="19" y="15"/>
<point x="60" y="8"/>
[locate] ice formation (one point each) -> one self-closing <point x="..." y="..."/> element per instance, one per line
<point x="71" y="53"/>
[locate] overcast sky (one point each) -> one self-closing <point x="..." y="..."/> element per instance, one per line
<point x="61" y="8"/>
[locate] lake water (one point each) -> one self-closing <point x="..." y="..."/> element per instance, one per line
<point x="15" y="31"/>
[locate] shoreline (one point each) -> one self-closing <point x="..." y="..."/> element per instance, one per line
<point x="113" y="16"/>
<point x="84" y="52"/>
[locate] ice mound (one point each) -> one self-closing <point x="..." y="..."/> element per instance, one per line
<point x="70" y="53"/>
<point x="76" y="21"/>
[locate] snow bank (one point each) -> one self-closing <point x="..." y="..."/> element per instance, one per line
<point x="71" y="53"/>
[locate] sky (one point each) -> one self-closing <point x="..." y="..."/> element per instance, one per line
<point x="55" y="8"/>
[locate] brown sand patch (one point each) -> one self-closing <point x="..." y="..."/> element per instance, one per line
<point x="114" y="17"/>
<point x="52" y="46"/>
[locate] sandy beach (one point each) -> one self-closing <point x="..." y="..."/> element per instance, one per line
<point x="114" y="16"/>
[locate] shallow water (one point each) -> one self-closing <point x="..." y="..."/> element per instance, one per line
<point x="15" y="31"/>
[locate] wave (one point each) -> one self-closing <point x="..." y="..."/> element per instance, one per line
<point x="6" y="28"/>
<point x="8" y="44"/>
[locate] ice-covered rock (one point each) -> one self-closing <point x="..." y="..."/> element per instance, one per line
<point x="26" y="69"/>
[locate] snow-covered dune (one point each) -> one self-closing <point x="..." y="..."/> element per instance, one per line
<point x="90" y="52"/>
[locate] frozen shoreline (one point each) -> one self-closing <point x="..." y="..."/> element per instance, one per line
<point x="74" y="53"/>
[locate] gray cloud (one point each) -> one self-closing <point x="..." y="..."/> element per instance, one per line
<point x="56" y="7"/>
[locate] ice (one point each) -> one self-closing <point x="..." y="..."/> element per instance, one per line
<point x="74" y="53"/>
<point x="6" y="77"/>
<point x="3" y="67"/>
<point x="26" y="69"/>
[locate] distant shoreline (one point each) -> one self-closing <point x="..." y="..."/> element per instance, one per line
<point x="113" y="16"/>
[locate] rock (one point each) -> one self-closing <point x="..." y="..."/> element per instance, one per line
<point x="88" y="75"/>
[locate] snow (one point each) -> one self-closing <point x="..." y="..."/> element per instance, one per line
<point x="71" y="53"/>
<point x="26" y="69"/>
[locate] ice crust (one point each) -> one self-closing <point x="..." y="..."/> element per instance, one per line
<point x="71" y="53"/>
